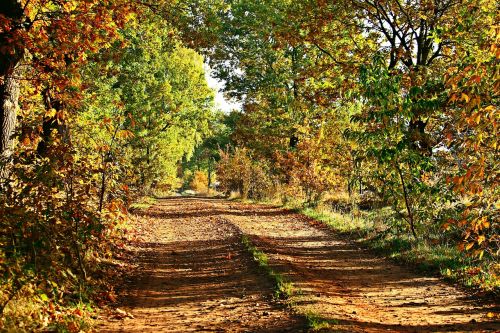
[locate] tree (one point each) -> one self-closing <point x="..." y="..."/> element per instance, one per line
<point x="10" y="56"/>
<point x="471" y="135"/>
<point x="53" y="38"/>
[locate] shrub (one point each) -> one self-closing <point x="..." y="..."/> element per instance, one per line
<point x="237" y="172"/>
<point x="199" y="182"/>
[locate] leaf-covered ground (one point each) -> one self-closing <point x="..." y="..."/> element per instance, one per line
<point x="194" y="275"/>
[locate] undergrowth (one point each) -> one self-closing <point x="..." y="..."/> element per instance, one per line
<point x="63" y="299"/>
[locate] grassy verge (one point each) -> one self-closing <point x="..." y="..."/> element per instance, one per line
<point x="372" y="229"/>
<point x="282" y="287"/>
<point x="317" y="323"/>
<point x="143" y="203"/>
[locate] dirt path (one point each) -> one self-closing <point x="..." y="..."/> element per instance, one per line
<point x="198" y="278"/>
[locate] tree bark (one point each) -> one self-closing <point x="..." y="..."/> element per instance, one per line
<point x="410" y="220"/>
<point x="9" y="83"/>
<point x="9" y="97"/>
<point x="52" y="123"/>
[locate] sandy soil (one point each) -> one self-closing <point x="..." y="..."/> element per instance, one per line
<point x="195" y="276"/>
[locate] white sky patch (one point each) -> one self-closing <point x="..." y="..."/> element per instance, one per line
<point x="220" y="100"/>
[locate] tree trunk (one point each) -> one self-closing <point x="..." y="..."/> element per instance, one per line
<point x="9" y="96"/>
<point x="103" y="187"/>
<point x="210" y="171"/>
<point x="411" y="219"/>
<point x="9" y="84"/>
<point x="52" y="123"/>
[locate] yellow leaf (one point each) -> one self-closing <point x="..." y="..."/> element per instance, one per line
<point x="469" y="246"/>
<point x="478" y="118"/>
<point x="489" y="108"/>
<point x="51" y="113"/>
<point x="126" y="134"/>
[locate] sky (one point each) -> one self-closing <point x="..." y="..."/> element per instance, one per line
<point x="220" y="101"/>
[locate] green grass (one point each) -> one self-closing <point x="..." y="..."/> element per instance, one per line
<point x="439" y="259"/>
<point x="339" y="222"/>
<point x="282" y="287"/>
<point x="316" y="323"/>
<point x="143" y="203"/>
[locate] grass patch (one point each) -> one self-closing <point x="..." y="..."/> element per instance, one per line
<point x="143" y="203"/>
<point x="282" y="287"/>
<point x="316" y="323"/>
<point x="440" y="259"/>
<point x="340" y="222"/>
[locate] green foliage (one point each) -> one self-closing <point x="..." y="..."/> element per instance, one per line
<point x="416" y="109"/>
<point x="146" y="105"/>
<point x="378" y="230"/>
<point x="403" y="173"/>
<point x="206" y="155"/>
<point x="396" y="105"/>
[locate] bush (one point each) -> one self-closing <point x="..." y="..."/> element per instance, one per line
<point x="199" y="182"/>
<point x="237" y="172"/>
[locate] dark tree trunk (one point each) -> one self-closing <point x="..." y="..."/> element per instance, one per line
<point x="102" y="192"/>
<point x="9" y="82"/>
<point x="294" y="141"/>
<point x="51" y="123"/>
<point x="9" y="95"/>
<point x="419" y="139"/>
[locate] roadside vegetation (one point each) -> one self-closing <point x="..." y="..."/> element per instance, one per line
<point x="385" y="138"/>
<point x="430" y="256"/>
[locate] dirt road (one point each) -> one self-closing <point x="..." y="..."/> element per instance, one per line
<point x="197" y="277"/>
